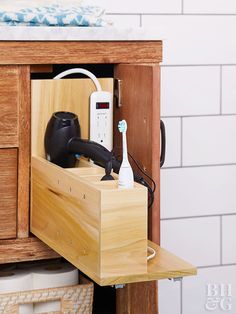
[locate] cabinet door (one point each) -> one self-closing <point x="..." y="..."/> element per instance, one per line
<point x="9" y="79"/>
<point x="9" y="142"/>
<point x="140" y="107"/>
<point x="8" y="192"/>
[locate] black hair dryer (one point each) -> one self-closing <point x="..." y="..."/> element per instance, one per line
<point x="62" y="143"/>
<point x="61" y="128"/>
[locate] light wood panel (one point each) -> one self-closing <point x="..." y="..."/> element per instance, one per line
<point x="9" y="76"/>
<point x="24" y="152"/>
<point x="49" y="96"/>
<point x="97" y="227"/>
<point x="64" y="52"/>
<point x="164" y="265"/>
<point x="78" y="219"/>
<point x="8" y="193"/>
<point x="29" y="249"/>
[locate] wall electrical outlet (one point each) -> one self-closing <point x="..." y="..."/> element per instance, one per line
<point x="101" y="118"/>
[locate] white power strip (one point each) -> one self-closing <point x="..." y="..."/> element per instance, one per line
<point x="101" y="118"/>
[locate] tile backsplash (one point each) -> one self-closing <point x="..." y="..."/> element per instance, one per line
<point x="198" y="106"/>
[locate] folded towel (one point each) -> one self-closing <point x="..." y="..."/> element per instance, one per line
<point x="51" y="13"/>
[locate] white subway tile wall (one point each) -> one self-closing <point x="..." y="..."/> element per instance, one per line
<point x="229" y="89"/>
<point x="190" y="238"/>
<point x="203" y="295"/>
<point x="140" y="6"/>
<point x="190" y="90"/>
<point x="210" y="6"/>
<point x="229" y="239"/>
<point x="198" y="106"/>
<point x="198" y="191"/>
<point x="173" y="140"/>
<point x="209" y="140"/>
<point x="195" y="39"/>
<point x="124" y="20"/>
<point x="169" y="297"/>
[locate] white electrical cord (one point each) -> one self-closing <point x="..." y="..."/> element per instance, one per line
<point x="153" y="253"/>
<point x="80" y="71"/>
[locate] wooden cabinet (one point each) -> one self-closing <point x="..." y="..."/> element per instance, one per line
<point x="9" y="104"/>
<point x="136" y="64"/>
<point x="141" y="108"/>
<point x="8" y="192"/>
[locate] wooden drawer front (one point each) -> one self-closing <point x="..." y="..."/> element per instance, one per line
<point x="9" y="106"/>
<point x="8" y="193"/>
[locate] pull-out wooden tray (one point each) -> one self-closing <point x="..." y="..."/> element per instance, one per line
<point x="99" y="228"/>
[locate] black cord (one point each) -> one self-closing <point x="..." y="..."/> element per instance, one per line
<point x="137" y="178"/>
<point x="139" y="167"/>
<point x="143" y="182"/>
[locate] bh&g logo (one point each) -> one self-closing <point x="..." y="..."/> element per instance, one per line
<point x="219" y="297"/>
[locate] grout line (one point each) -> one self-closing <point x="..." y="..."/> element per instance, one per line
<point x="198" y="216"/>
<point x="140" y="20"/>
<point x="213" y="266"/>
<point x="181" y="142"/>
<point x="182" y="7"/>
<point x="221" y="242"/>
<point x="199" y="166"/>
<point x="172" y="14"/>
<point x="181" y="297"/>
<point x="181" y="13"/>
<point x="221" y="89"/>
<point x="120" y="14"/>
<point x="201" y="115"/>
<point x="196" y="65"/>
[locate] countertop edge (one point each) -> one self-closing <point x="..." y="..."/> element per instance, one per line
<point x="26" y="33"/>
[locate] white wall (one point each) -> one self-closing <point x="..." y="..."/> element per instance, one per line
<point x="198" y="105"/>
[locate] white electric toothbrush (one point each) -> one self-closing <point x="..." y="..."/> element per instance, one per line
<point x="126" y="176"/>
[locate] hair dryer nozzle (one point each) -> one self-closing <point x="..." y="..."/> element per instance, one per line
<point x="60" y="129"/>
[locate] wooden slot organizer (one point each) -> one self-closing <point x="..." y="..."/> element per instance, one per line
<point x="100" y="229"/>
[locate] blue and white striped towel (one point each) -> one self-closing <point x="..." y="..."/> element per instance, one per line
<point x="52" y="13"/>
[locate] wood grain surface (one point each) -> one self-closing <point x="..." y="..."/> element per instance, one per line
<point x="29" y="249"/>
<point x="39" y="52"/>
<point x="8" y="192"/>
<point x="141" y="109"/>
<point x="78" y="218"/>
<point x="71" y="95"/>
<point x="137" y="298"/>
<point x="41" y="68"/>
<point x="9" y="106"/>
<point x="24" y="152"/>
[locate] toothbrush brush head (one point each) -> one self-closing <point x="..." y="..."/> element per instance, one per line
<point x="122" y="126"/>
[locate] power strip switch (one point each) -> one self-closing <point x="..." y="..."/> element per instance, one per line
<point x="101" y="118"/>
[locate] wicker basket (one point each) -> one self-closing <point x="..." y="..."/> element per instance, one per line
<point x="74" y="299"/>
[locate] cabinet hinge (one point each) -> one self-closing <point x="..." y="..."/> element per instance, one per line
<point x="176" y="279"/>
<point x="119" y="286"/>
<point x="118" y="93"/>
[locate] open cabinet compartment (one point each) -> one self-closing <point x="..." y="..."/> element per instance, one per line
<point x="97" y="227"/>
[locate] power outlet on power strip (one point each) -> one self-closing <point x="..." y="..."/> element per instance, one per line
<point x="101" y="118"/>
